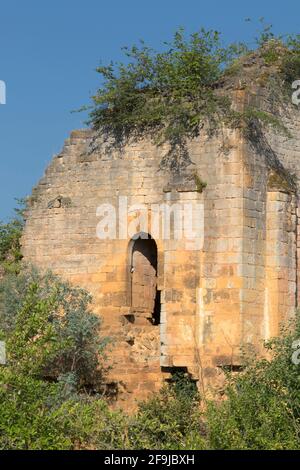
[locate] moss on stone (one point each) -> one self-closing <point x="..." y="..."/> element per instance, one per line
<point x="200" y="184"/>
<point x="279" y="181"/>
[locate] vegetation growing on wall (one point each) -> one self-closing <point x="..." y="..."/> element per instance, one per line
<point x="281" y="50"/>
<point x="171" y="95"/>
<point x="167" y="94"/>
<point x="200" y="184"/>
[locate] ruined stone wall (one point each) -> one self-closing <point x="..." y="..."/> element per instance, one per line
<point x="278" y="197"/>
<point x="200" y="288"/>
<point x="287" y="150"/>
<point x="61" y="235"/>
<point x="269" y="267"/>
<point x="230" y="286"/>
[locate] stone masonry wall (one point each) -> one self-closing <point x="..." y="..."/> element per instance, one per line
<point x="230" y="286"/>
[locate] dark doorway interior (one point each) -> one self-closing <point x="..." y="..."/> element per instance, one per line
<point x="157" y="308"/>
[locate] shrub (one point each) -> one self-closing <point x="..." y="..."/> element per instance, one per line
<point x="291" y="61"/>
<point x="49" y="328"/>
<point x="90" y="424"/>
<point x="169" y="95"/>
<point x="262" y="409"/>
<point x="170" y="419"/>
<point x="35" y="414"/>
<point x="54" y="354"/>
<point x="27" y="419"/>
<point x="10" y="235"/>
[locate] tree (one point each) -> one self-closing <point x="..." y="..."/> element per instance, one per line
<point x="171" y="95"/>
<point x="10" y="236"/>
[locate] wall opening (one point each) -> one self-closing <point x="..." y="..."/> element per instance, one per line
<point x="157" y="308"/>
<point x="144" y="296"/>
<point x="181" y="377"/>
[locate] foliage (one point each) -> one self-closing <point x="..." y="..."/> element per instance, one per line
<point x="49" y="328"/>
<point x="170" y="419"/>
<point x="171" y="95"/>
<point x="26" y="420"/>
<point x="10" y="235"/>
<point x="291" y="61"/>
<point x="282" y="50"/>
<point x="54" y="354"/>
<point x="90" y="424"/>
<point x="36" y="414"/>
<point x="252" y="117"/>
<point x="265" y="33"/>
<point x="200" y="184"/>
<point x="262" y="409"/>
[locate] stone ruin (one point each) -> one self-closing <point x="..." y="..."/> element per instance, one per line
<point x="178" y="304"/>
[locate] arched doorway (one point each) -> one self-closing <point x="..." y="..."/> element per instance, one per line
<point x="145" y="298"/>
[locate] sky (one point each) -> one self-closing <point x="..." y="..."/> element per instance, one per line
<point x="49" y="51"/>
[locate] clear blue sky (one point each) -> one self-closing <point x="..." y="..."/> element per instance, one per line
<point x="49" y="50"/>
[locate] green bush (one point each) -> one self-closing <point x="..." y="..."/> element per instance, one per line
<point x="171" y="95"/>
<point x="54" y="354"/>
<point x="291" y="61"/>
<point x="90" y="424"/>
<point x="261" y="409"/>
<point x="168" y="95"/>
<point x="170" y="419"/>
<point x="10" y="235"/>
<point x="28" y="419"/>
<point x="49" y="328"/>
<point x="35" y="414"/>
<point x="262" y="406"/>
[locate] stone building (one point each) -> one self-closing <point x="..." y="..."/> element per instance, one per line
<point x="179" y="301"/>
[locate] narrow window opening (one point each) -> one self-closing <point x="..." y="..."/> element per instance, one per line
<point x="157" y="309"/>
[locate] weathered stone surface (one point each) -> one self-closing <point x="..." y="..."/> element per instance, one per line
<point x="234" y="289"/>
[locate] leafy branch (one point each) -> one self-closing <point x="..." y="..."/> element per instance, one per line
<point x="171" y="95"/>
